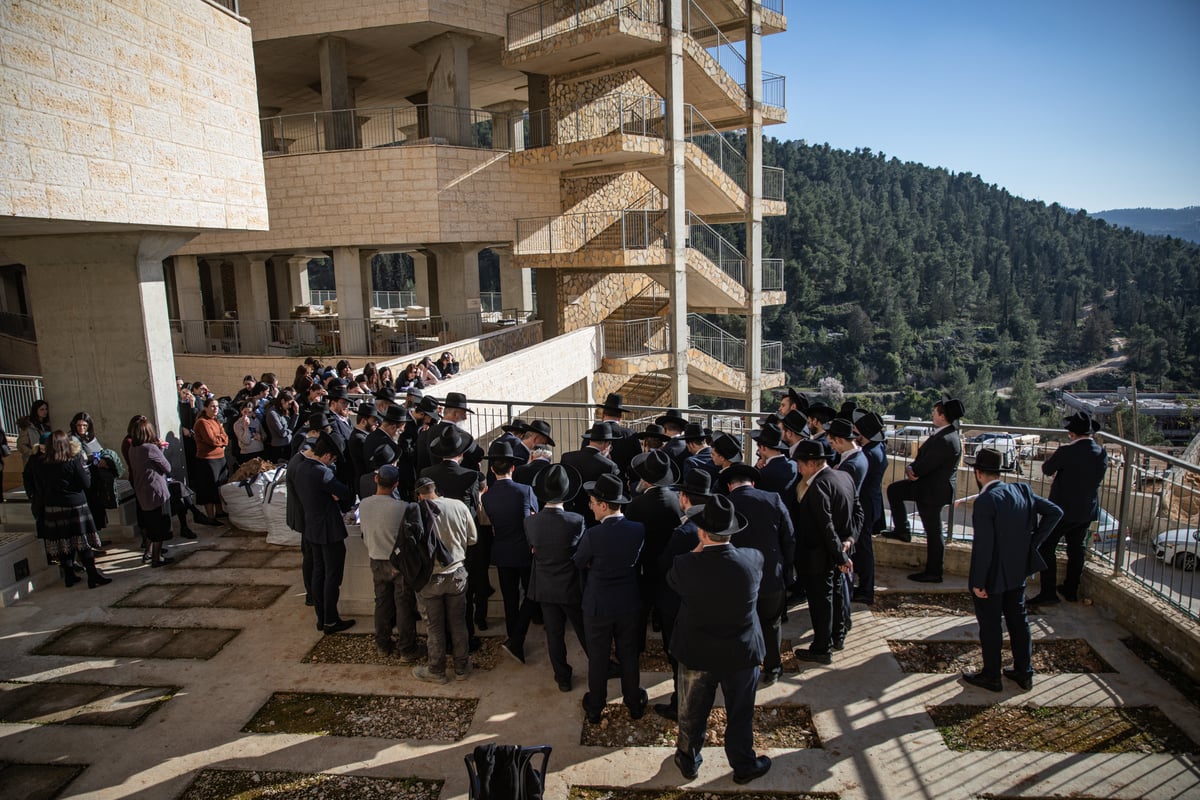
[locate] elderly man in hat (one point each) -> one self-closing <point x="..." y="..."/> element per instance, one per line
<point x="1078" y="469"/>
<point x="930" y="482"/>
<point x="553" y="534"/>
<point x="1010" y="523"/>
<point x="718" y="641"/>
<point x="656" y="505"/>
<point x="537" y="434"/>
<point x="868" y="430"/>
<point x="699" y="449"/>
<point x="508" y="504"/>
<point x="540" y="457"/>
<point x="825" y="516"/>
<point x="380" y="516"/>
<point x="608" y="552"/>
<point x="591" y="461"/>
<point x="777" y="472"/>
<point x="382" y="446"/>
<point x="769" y="531"/>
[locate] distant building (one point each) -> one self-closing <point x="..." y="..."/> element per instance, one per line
<point x="1176" y="415"/>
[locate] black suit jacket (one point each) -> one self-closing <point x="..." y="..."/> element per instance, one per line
<point x="456" y="482"/>
<point x="554" y="535"/>
<point x="608" y="552"/>
<point x="717" y="631"/>
<point x="936" y="468"/>
<point x="527" y="472"/>
<point x="777" y="475"/>
<point x="591" y="464"/>
<point x="508" y="504"/>
<point x="316" y="486"/>
<point x="769" y="532"/>
<point x="1010" y="523"/>
<point x="683" y="540"/>
<point x="658" y="510"/>
<point x="1078" y="469"/>
<point x="827" y="515"/>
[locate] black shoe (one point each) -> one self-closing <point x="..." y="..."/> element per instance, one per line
<point x="1022" y="679"/>
<point x="594" y="719"/>
<point x="899" y="537"/>
<point x="925" y="577"/>
<point x="762" y="766"/>
<point x="308" y="601"/>
<point x="638" y="709"/>
<point x="862" y="597"/>
<point x="804" y="654"/>
<point x="769" y="677"/>
<point x="686" y="768"/>
<point x="481" y="623"/>
<point x="68" y="575"/>
<point x="473" y="644"/>
<point x="515" y="650"/>
<point x="203" y="519"/>
<point x="339" y="626"/>
<point x="667" y="711"/>
<point x="187" y="533"/>
<point x="1044" y="600"/>
<point x="1070" y="597"/>
<point x="162" y="562"/>
<point x="564" y="684"/>
<point x="839" y="644"/>
<point x="983" y="681"/>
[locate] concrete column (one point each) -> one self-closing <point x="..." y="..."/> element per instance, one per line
<point x="448" y="84"/>
<point x="191" y="304"/>
<point x="508" y="125"/>
<point x="455" y="289"/>
<point x="253" y="307"/>
<point x="112" y="343"/>
<point x="677" y="204"/>
<point x="337" y="96"/>
<point x="754" y="245"/>
<point x="539" y="109"/>
<point x="549" y="303"/>
<point x="421" y="277"/>
<point x="351" y="293"/>
<point x="516" y="285"/>
<point x="299" y="292"/>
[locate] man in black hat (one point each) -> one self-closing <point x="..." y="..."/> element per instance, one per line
<point x="384" y="398"/>
<point x="1010" y="523"/>
<point x="1078" y="469"/>
<point x="793" y="401"/>
<point x="512" y="433"/>
<point x="825" y="517"/>
<point x="553" y="534"/>
<point x="717" y="640"/>
<point x="508" y="504"/>
<point x="609" y="551"/>
<point x="777" y="472"/>
<point x="794" y="429"/>
<point x="868" y="427"/>
<point x="673" y="424"/>
<point x="591" y="461"/>
<point x="626" y="446"/>
<point x="695" y="438"/>
<point x="725" y="453"/>
<point x="381" y="446"/>
<point x="366" y="421"/>
<point x="324" y="500"/>
<point x="769" y="531"/>
<point x="819" y="415"/>
<point x="930" y="482"/>
<point x="454" y="412"/>
<point x="656" y="506"/>
<point x="540" y="457"/>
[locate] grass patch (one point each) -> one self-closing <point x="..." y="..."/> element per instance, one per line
<point x="359" y="648"/>
<point x="1059" y="729"/>
<point x="223" y="784"/>
<point x="775" y="726"/>
<point x="1050" y="656"/>
<point x="444" y="719"/>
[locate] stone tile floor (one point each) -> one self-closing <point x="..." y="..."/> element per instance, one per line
<point x="878" y="740"/>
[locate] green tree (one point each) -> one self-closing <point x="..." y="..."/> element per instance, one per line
<point x="1023" y="406"/>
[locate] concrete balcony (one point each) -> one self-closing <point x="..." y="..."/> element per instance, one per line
<point x="729" y="17"/>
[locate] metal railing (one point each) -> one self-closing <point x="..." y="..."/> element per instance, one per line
<point x="629" y="229"/>
<point x="774" y="90"/>
<point x="772" y="183"/>
<point x="773" y="5"/>
<point x="631" y="114"/>
<point x="231" y="5"/>
<point x="698" y="25"/>
<point x="716" y="248"/>
<point x="366" y="128"/>
<point x="635" y="337"/>
<point x="17" y="393"/>
<point x="490" y="302"/>
<point x="718" y="343"/>
<point x="18" y="325"/>
<point x="319" y="297"/>
<point x="552" y="18"/>
<point x="393" y="299"/>
<point x="772" y="275"/>
<point x="700" y="132"/>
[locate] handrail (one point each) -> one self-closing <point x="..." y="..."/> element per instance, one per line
<point x="549" y="18"/>
<point x="368" y="128"/>
<point x="627" y="229"/>
<point x="700" y="27"/>
<point x="772" y="183"/>
<point x="716" y="248"/>
<point x="700" y="132"/>
<point x="727" y="348"/>
<point x="772" y="275"/>
<point x="631" y="114"/>
<point x="635" y="337"/>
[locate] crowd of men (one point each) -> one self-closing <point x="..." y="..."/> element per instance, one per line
<point x="670" y="528"/>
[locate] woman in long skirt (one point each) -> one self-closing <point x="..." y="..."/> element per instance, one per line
<point x="60" y="479"/>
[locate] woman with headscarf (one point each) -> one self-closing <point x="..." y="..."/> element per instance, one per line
<point x="59" y="479"/>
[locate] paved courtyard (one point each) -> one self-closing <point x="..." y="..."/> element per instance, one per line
<point x="131" y="689"/>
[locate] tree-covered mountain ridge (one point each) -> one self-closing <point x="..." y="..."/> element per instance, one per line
<point x="1181" y="222"/>
<point x="898" y="274"/>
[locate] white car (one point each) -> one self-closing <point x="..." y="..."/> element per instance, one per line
<point x="1180" y="547"/>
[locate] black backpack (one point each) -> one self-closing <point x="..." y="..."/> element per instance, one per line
<point x="412" y="555"/>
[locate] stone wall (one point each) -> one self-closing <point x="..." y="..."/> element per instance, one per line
<point x="589" y="298"/>
<point x="131" y="114"/>
<point x="600" y="105"/>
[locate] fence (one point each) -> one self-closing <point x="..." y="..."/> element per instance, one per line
<point x="628" y="229"/>
<point x="716" y="248"/>
<point x="630" y="114"/>
<point x="17" y="393"/>
<point x="774" y="90"/>
<point x="319" y="297"/>
<point x="700" y="132"/>
<point x="393" y="299"/>
<point x="702" y="29"/>
<point x="772" y="275"/>
<point x="362" y="128"/>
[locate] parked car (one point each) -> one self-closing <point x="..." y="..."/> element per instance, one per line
<point x="1105" y="530"/>
<point x="901" y="440"/>
<point x="1003" y="443"/>
<point x="1179" y="547"/>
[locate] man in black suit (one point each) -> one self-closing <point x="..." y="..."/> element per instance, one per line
<point x="626" y="445"/>
<point x="1004" y="550"/>
<point x="717" y="640"/>
<point x="930" y="482"/>
<point x="777" y="472"/>
<point x="656" y="505"/>
<point x="674" y="424"/>
<point x="868" y="428"/>
<point x="553" y="535"/>
<point x="769" y="532"/>
<point x="826" y="517"/>
<point x="608" y="552"/>
<point x="366" y="421"/>
<point x="508" y="504"/>
<point x="540" y="457"/>
<point x="591" y="461"/>
<point x="695" y="438"/>
<point x="324" y="499"/>
<point x="1078" y="469"/>
<point x="725" y="453"/>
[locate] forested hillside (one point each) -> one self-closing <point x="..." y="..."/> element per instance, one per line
<point x="899" y="274"/>
<point x="1181" y="222"/>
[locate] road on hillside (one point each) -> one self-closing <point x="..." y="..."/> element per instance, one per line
<point x="1109" y="364"/>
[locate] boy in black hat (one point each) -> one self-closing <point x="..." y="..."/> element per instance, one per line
<point x="868" y="428"/>
<point x="777" y="472"/>
<point x="656" y="506"/>
<point x="695" y="438"/>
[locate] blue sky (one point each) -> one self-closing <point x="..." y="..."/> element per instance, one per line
<point x="1094" y="105"/>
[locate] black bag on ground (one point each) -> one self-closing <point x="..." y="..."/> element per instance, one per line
<point x="505" y="772"/>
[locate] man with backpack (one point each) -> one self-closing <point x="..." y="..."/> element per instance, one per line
<point x="380" y="516"/>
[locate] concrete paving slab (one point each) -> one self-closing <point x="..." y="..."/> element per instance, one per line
<point x="254" y="596"/>
<point x="137" y="643"/>
<point x="155" y="595"/>
<point x="246" y="559"/>
<point x="116" y="641"/>
<point x="79" y="703"/>
<point x="201" y="643"/>
<point x="36" y="781"/>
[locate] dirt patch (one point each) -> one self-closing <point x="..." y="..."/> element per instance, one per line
<point x="219" y="784"/>
<point x="1059" y="729"/>
<point x="923" y="604"/>
<point x="357" y="648"/>
<point x="1050" y="656"/>
<point x="624" y="793"/>
<point x="1165" y="669"/>
<point x="442" y="719"/>
<point x="775" y="726"/>
<point x="654" y="657"/>
<point x="237" y="533"/>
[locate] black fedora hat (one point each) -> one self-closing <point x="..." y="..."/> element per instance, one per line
<point x="517" y="426"/>
<point x="337" y="391"/>
<point x="601" y="432"/>
<point x="770" y="419"/>
<point x="739" y="471"/>
<point x="614" y="404"/>
<point x="847" y="410"/>
<point x="542" y="428"/>
<point x="1081" y="423"/>
<point x="694" y="432"/>
<point x="385" y="393"/>
<point x="653" y="431"/>
<point x="456" y="400"/>
<point x="450" y="441"/>
<point x="501" y="449"/>
<point x="812" y="450"/>
<point x="656" y="468"/>
<point x="607" y="488"/>
<point x="987" y="460"/>
<point x="952" y="408"/>
<point x="557" y="483"/>
<point x="727" y="446"/>
<point x="717" y="517"/>
<point x="795" y="421"/>
<point x="841" y="428"/>
<point x="395" y="415"/>
<point x="673" y="417"/>
<point x="427" y="404"/>
<point x="367" y="411"/>
<point x="697" y="483"/>
<point x="822" y="412"/>
<point x="800" y="399"/>
<point x="869" y="424"/>
<point x="771" y="437"/>
<point x="319" y="419"/>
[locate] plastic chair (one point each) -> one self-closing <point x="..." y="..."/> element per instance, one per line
<point x="475" y="790"/>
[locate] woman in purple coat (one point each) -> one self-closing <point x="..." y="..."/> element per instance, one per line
<point x="148" y="470"/>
